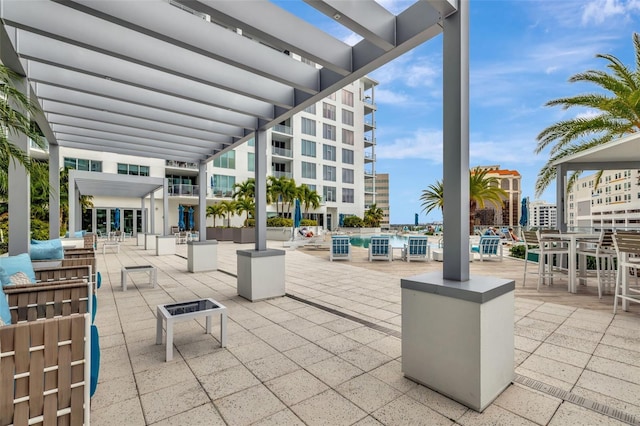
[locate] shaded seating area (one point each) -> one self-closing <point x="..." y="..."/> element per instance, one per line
<point x="489" y="246"/>
<point x="417" y="248"/>
<point x="340" y="248"/>
<point x="380" y="248"/>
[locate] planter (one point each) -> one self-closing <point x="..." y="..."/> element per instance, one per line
<point x="226" y="234"/>
<point x="244" y="235"/>
<point x="279" y="234"/>
<point x="213" y="233"/>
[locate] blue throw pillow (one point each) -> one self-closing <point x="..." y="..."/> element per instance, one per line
<point x="45" y="250"/>
<point x="5" y="314"/>
<point x="19" y="263"/>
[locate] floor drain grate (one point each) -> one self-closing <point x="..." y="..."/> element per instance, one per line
<point x="577" y="400"/>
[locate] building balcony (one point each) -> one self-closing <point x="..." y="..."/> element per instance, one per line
<point x="181" y="165"/>
<point x="221" y="192"/>
<point x="184" y="190"/>
<point x="369" y="174"/>
<point x="280" y="128"/>
<point x="281" y="174"/>
<point x="369" y="104"/>
<point x="281" y="152"/>
<point x="369" y="124"/>
<point x="369" y="190"/>
<point x="369" y="157"/>
<point x="369" y="142"/>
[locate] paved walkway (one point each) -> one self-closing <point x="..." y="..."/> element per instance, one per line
<point x="289" y="362"/>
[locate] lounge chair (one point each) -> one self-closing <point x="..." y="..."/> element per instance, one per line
<point x="340" y="247"/>
<point x="380" y="248"/>
<point x="488" y="246"/>
<point x="416" y="249"/>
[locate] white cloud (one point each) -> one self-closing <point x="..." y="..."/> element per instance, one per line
<point x="598" y="11"/>
<point x="384" y="96"/>
<point x="352" y="39"/>
<point x="423" y="143"/>
<point x="588" y="114"/>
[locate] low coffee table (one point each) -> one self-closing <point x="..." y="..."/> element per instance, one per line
<point x="138" y="268"/>
<point x="183" y="311"/>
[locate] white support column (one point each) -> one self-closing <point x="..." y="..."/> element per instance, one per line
<point x="561" y="173"/>
<point x="261" y="188"/>
<point x="19" y="204"/>
<point x="202" y="201"/>
<point x="144" y="215"/>
<point x="54" y="194"/>
<point x="165" y="207"/>
<point x="152" y="213"/>
<point x="456" y="144"/>
<point x="73" y="200"/>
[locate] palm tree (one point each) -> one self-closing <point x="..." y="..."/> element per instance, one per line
<point x="215" y="210"/>
<point x="618" y="114"/>
<point x="309" y="198"/>
<point x="274" y="189"/>
<point x="373" y="216"/>
<point x="246" y="189"/>
<point x="482" y="190"/>
<point x="282" y="189"/>
<point x="246" y="205"/>
<point x="228" y="210"/>
<point x="289" y="193"/>
<point x="15" y="121"/>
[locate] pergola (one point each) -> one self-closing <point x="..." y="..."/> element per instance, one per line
<point x="620" y="154"/>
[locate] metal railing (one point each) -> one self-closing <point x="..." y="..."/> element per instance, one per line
<point x="281" y="128"/>
<point x="282" y="152"/>
<point x="281" y="174"/>
<point x="371" y="141"/>
<point x="220" y="192"/>
<point x="181" y="164"/>
<point x="176" y="190"/>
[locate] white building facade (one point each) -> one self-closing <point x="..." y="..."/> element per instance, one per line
<point x="613" y="203"/>
<point x="542" y="215"/>
<point x="329" y="146"/>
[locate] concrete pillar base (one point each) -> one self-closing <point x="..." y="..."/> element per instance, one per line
<point x="165" y="245"/>
<point x="140" y="239"/>
<point x="457" y="337"/>
<point x="202" y="256"/>
<point x="150" y="241"/>
<point x="261" y="274"/>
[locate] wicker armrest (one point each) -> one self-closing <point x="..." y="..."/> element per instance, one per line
<point x="62" y="273"/>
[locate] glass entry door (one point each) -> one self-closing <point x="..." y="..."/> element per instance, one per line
<point x="102" y="221"/>
<point x="129" y="219"/>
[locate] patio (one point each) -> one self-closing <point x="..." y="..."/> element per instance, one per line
<point x="289" y="362"/>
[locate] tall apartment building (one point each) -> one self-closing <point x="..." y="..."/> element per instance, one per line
<point x="509" y="213"/>
<point x="612" y="203"/>
<point x="542" y="214"/>
<point x="382" y="198"/>
<point x="330" y="147"/>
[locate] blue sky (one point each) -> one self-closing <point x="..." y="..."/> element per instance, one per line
<point x="522" y="55"/>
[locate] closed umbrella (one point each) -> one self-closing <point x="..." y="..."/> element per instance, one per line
<point x="524" y="217"/>
<point x="297" y="215"/>
<point x="116" y="219"/>
<point x="191" y="223"/>
<point x="180" y="217"/>
<point x="341" y="220"/>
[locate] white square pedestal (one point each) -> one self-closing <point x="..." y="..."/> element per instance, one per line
<point x="140" y="239"/>
<point x="261" y="274"/>
<point x="150" y="241"/>
<point x="165" y="244"/>
<point x="202" y="256"/>
<point x="457" y="337"/>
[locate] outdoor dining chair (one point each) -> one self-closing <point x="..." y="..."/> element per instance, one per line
<point x="380" y="248"/>
<point x="545" y="251"/>
<point x="627" y="246"/>
<point x="604" y="252"/>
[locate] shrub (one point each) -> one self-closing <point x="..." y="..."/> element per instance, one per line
<point x="308" y="222"/>
<point x="353" y="222"/>
<point x="279" y="222"/>
<point x="518" y="251"/>
<point x="251" y="223"/>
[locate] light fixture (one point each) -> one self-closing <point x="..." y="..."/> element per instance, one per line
<point x="337" y="16"/>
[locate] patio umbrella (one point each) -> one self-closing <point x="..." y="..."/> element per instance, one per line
<point x="180" y="217"/>
<point x="191" y="222"/>
<point x="297" y="215"/>
<point x="341" y="220"/>
<point x="116" y="219"/>
<point x="524" y="218"/>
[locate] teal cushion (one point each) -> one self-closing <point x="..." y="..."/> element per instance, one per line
<point x="4" y="277"/>
<point x="19" y="263"/>
<point x="45" y="250"/>
<point x="5" y="315"/>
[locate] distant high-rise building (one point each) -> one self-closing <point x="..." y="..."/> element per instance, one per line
<point x="542" y="215"/>
<point x="509" y="213"/>
<point x="382" y="197"/>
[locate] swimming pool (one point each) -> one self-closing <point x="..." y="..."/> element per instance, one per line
<point x="395" y="240"/>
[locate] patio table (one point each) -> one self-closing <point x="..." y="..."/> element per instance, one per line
<point x="573" y="239"/>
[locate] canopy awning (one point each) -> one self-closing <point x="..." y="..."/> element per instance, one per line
<point x="620" y="154"/>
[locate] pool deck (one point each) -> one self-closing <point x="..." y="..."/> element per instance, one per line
<point x="330" y="352"/>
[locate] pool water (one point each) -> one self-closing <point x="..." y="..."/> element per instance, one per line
<point x="363" y="241"/>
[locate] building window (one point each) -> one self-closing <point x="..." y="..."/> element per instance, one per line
<point x="347" y="97"/>
<point x="347" y="175"/>
<point x="308" y="126"/>
<point x="308" y="170"/>
<point x="311" y="109"/>
<point x="222" y="185"/>
<point x="347" y="136"/>
<point x="347" y="156"/>
<point x="308" y="148"/>
<point x="329" y="132"/>
<point x="332" y="97"/>
<point x="347" y="195"/>
<point x="347" y="117"/>
<point x="251" y="142"/>
<point x="251" y="161"/>
<point x="80" y="164"/>
<point x="311" y="187"/>
<point x="329" y="173"/>
<point x="328" y="152"/>
<point x="329" y="111"/>
<point x="226" y="160"/>
<point x="329" y="193"/>
<point x="133" y="169"/>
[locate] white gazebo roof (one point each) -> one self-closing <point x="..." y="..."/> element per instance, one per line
<point x="623" y="153"/>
